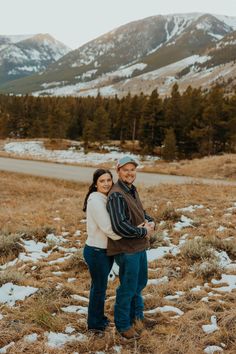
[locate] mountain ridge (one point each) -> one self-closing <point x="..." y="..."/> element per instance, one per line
<point x="116" y="63"/>
<point x="22" y="55"/>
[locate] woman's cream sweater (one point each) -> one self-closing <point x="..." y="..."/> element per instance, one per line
<point x="98" y="221"/>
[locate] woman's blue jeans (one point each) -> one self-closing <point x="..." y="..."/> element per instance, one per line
<point x="99" y="265"/>
<point x="133" y="274"/>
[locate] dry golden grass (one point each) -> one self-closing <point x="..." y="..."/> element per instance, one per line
<point x="11" y="276"/>
<point x="223" y="166"/>
<point x="9" y="244"/>
<point x="31" y="204"/>
<point x="196" y="249"/>
<point x="207" y="269"/>
<point x="33" y="207"/>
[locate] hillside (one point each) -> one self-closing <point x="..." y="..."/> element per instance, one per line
<point x="24" y="55"/>
<point x="219" y="167"/>
<point x="196" y="48"/>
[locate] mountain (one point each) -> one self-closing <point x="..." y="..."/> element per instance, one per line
<point x="197" y="49"/>
<point x="24" y="55"/>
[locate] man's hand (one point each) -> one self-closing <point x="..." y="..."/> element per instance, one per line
<point x="151" y="223"/>
<point x="141" y="225"/>
<point x="149" y="226"/>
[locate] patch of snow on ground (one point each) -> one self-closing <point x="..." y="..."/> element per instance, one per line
<point x="191" y="208"/>
<point x="75" y="309"/>
<point x="211" y="349"/>
<point x="157" y="253"/>
<point x="60" y="260"/>
<point x="4" y="349"/>
<point x="184" y="222"/>
<point x="10" y="293"/>
<point x="56" y="340"/>
<point x="9" y="264"/>
<point x="162" y="280"/>
<point x="36" y="148"/>
<point x="166" y="309"/>
<point x="128" y="71"/>
<point x="34" y="251"/>
<point x="223" y="259"/>
<point x="228" y="279"/>
<point x="210" y="328"/>
<point x="181" y="64"/>
<point x="79" y="298"/>
<point x="31" y="338"/>
<point x="176" y="296"/>
<point x="56" y="239"/>
<point x="221" y="229"/>
<point x="69" y="330"/>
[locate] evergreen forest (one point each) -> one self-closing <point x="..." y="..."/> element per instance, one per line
<point x="190" y="124"/>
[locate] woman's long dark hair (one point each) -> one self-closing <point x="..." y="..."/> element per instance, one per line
<point x="92" y="188"/>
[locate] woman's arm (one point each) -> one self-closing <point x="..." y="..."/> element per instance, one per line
<point x="102" y="218"/>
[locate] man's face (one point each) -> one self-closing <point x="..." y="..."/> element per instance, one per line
<point x="127" y="173"/>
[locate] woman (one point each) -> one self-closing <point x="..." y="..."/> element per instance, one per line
<point x="98" y="229"/>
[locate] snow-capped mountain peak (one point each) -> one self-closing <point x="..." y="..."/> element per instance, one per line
<point x="156" y="51"/>
<point x="25" y="55"/>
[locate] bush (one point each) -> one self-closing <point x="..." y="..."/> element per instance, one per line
<point x="9" y="244"/>
<point x="76" y="262"/>
<point x="11" y="276"/>
<point x="228" y="246"/>
<point x="197" y="249"/>
<point x="169" y="213"/>
<point x="207" y="269"/>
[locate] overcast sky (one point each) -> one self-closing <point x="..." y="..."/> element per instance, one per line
<point x="75" y="22"/>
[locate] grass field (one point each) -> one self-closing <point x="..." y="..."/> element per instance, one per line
<point x="222" y="166"/>
<point x="186" y="287"/>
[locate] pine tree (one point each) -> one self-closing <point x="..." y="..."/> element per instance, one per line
<point x="149" y="132"/>
<point x="113" y="113"/>
<point x="101" y="125"/>
<point x="174" y="115"/>
<point x="192" y="108"/>
<point x="88" y="134"/>
<point x="169" y="145"/>
<point x="231" y="124"/>
<point x="213" y="122"/>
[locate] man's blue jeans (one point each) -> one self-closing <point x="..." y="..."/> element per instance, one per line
<point x="133" y="274"/>
<point x="99" y="265"/>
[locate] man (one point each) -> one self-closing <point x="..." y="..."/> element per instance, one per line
<point x="129" y="220"/>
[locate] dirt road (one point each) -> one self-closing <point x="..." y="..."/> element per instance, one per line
<point x="84" y="174"/>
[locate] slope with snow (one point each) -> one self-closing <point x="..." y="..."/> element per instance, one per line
<point x="115" y="62"/>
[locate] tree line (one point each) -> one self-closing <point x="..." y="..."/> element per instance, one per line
<point x="184" y="125"/>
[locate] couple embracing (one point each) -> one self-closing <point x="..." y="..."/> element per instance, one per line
<point x="118" y="228"/>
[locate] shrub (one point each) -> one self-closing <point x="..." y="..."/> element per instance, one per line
<point x="9" y="244"/>
<point x="76" y="262"/>
<point x="207" y="269"/>
<point x="157" y="240"/>
<point x="197" y="249"/>
<point x="169" y="213"/>
<point x="38" y="233"/>
<point x="46" y="303"/>
<point x="228" y="246"/>
<point x="11" y="276"/>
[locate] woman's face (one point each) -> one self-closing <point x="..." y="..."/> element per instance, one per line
<point x="104" y="183"/>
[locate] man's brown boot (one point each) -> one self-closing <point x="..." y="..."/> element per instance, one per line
<point x="130" y="334"/>
<point x="146" y="322"/>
